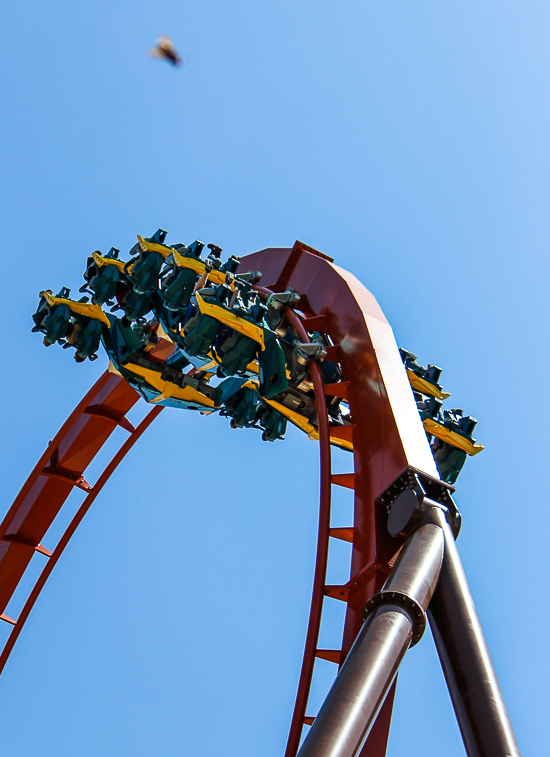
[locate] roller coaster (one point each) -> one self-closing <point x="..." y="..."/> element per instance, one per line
<point x="283" y="335"/>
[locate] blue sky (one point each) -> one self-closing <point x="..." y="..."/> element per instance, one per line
<point x="410" y="141"/>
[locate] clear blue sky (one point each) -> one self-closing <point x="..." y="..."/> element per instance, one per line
<point x="411" y="142"/>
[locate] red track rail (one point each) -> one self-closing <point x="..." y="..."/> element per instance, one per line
<point x="59" y="470"/>
<point x="319" y="578"/>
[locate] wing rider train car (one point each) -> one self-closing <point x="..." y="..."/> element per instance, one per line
<point x="194" y="333"/>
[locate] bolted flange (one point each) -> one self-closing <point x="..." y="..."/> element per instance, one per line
<point x="403" y="601"/>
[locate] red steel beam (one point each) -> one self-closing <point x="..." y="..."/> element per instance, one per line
<point x="57" y="472"/>
<point x="386" y="430"/>
<point x="75" y="522"/>
<point x="319" y="576"/>
<point x="323" y="533"/>
<point x="60" y="468"/>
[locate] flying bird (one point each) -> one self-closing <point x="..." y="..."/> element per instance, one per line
<point x="165" y="49"/>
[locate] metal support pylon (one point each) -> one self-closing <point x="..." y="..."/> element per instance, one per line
<point x="427" y="577"/>
<point x="471" y="679"/>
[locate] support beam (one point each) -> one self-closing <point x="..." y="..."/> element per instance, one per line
<point x="396" y="619"/>
<point x="473" y="685"/>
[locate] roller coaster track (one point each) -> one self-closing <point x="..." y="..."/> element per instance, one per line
<point x="58" y="471"/>
<point x="386" y="438"/>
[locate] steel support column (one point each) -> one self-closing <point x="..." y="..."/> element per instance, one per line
<point x="475" y="692"/>
<point x="396" y="618"/>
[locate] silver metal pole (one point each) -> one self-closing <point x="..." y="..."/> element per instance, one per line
<point x="473" y="685"/>
<point x="396" y="619"/>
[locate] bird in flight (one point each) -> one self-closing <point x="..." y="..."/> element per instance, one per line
<point x="165" y="49"/>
